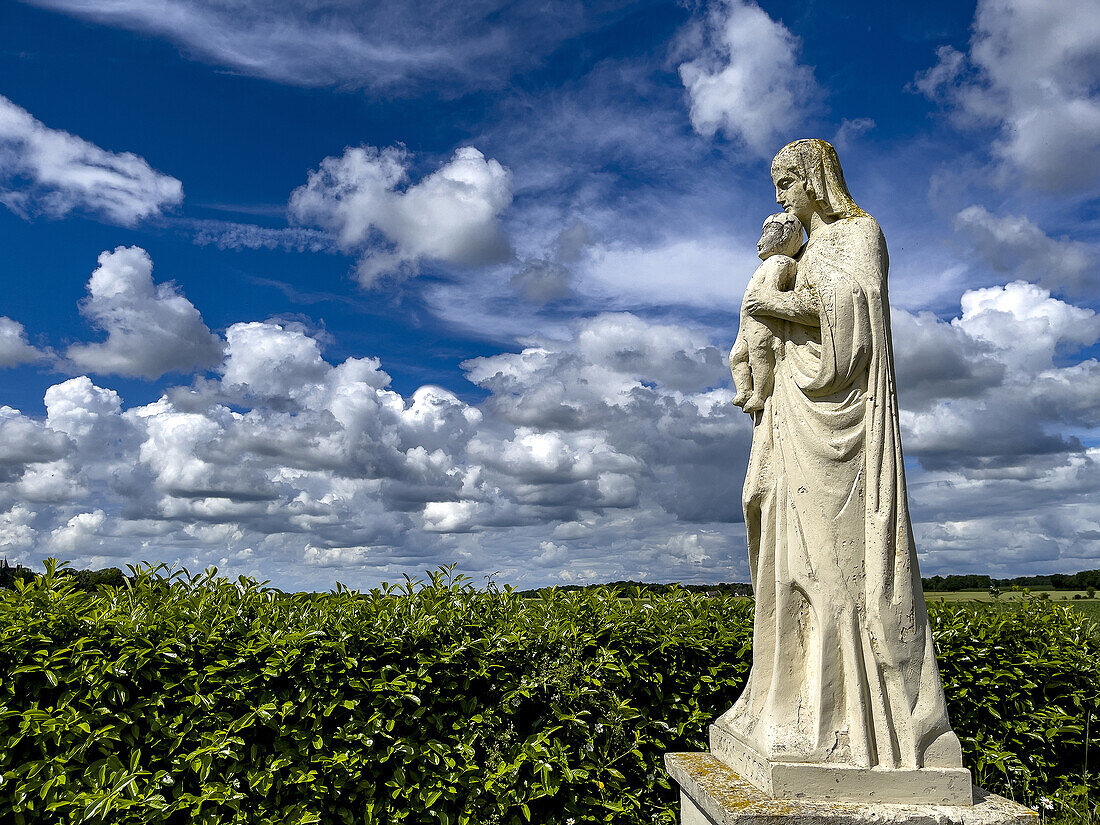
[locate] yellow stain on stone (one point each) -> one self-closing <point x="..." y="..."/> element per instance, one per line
<point x="735" y="794"/>
<point x="730" y="792"/>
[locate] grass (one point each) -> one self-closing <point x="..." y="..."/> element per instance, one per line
<point x="1006" y="596"/>
<point x="1090" y="608"/>
<point x="1085" y="605"/>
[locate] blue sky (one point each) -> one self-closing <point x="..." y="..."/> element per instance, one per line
<point x="336" y="291"/>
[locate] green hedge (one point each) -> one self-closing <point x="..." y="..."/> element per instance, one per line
<point x="1023" y="689"/>
<point x="187" y="699"/>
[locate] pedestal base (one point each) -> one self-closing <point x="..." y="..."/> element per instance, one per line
<point x="712" y="794"/>
<point x="840" y="783"/>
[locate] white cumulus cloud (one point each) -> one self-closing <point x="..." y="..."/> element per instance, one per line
<point x="1016" y="411"/>
<point x="1026" y="323"/>
<point x="17" y="532"/>
<point x="151" y="329"/>
<point x="606" y="454"/>
<point x="25" y="441"/>
<point x="747" y="80"/>
<point x="14" y="347"/>
<point x="365" y="199"/>
<point x="272" y="361"/>
<point x="80" y="533"/>
<point x="1032" y="71"/>
<point x="935" y="360"/>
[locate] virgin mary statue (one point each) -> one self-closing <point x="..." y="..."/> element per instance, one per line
<point x="844" y="697"/>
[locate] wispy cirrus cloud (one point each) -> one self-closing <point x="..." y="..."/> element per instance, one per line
<point x="234" y="235"/>
<point x="385" y="47"/>
<point x="52" y="172"/>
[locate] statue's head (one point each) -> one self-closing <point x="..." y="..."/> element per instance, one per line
<point x="780" y="235"/>
<point x="812" y="166"/>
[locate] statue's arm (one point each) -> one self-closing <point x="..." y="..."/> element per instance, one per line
<point x="798" y="305"/>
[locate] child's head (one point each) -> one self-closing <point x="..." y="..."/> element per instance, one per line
<point x="781" y="235"/>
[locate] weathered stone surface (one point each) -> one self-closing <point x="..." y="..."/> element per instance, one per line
<point x="840" y="783"/>
<point x="712" y="794"/>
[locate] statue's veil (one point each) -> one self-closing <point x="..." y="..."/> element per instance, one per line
<point x="815" y="162"/>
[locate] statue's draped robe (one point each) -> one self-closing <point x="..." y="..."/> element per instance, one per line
<point x="843" y="664"/>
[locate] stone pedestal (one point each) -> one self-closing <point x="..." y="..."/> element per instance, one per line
<point x="840" y="783"/>
<point x="712" y="794"/>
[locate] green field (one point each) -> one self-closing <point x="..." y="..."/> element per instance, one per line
<point x="1090" y="608"/>
<point x="1085" y="605"/>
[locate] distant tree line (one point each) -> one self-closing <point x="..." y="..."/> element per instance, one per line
<point x="935" y="584"/>
<point x="84" y="579"/>
<point x="1077" y="581"/>
<point x="9" y="575"/>
<point x="1054" y="581"/>
<point x="1085" y="580"/>
<point x="721" y="589"/>
<point x="947" y="584"/>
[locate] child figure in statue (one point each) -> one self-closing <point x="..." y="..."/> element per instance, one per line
<point x="752" y="359"/>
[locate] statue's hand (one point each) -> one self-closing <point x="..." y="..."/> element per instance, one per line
<point x="742" y="372"/>
<point x="796" y="305"/>
<point x="784" y="273"/>
<point x="754" y="302"/>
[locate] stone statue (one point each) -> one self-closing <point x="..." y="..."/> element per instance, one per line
<point x="752" y="360"/>
<point x="844" y="700"/>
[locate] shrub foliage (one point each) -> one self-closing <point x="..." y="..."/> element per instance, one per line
<point x="183" y="698"/>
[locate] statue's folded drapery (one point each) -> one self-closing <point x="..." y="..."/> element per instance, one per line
<point x="843" y="665"/>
